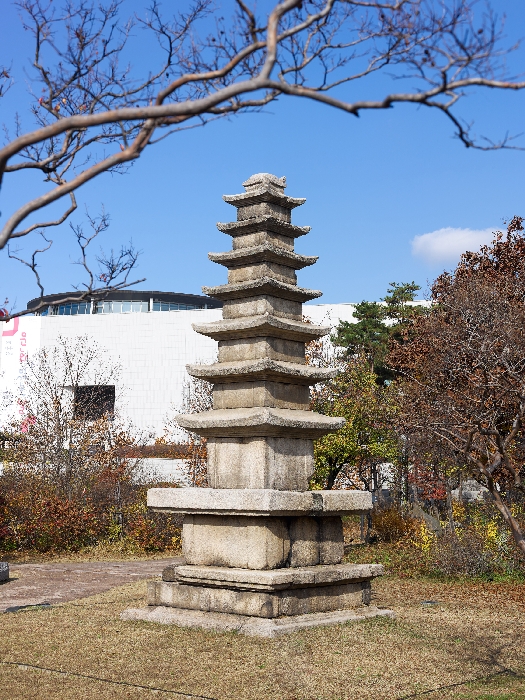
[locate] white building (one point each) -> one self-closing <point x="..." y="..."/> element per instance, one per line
<point x="149" y="334"/>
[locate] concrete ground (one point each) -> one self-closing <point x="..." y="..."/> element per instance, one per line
<point x="37" y="584"/>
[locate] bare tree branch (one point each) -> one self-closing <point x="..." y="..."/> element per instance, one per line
<point x="45" y="224"/>
<point x="113" y="273"/>
<point x="6" y="81"/>
<point x="91" y="114"/>
<point x="32" y="265"/>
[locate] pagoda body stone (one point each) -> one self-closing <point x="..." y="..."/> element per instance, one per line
<point x="258" y="544"/>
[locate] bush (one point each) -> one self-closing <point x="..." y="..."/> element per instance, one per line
<point x="45" y="522"/>
<point x="480" y="544"/>
<point x="464" y="553"/>
<point x="155" y="532"/>
<point x="34" y="517"/>
<point x="392" y="525"/>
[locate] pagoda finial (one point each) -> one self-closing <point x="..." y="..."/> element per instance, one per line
<point x="264" y="180"/>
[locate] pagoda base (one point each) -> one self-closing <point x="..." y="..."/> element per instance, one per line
<point x="248" y="625"/>
<point x="266" y="594"/>
<point x="298" y="601"/>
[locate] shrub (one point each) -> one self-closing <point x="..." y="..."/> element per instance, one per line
<point x="392" y="525"/>
<point x="33" y="516"/>
<point x="464" y="553"/>
<point x="45" y="522"/>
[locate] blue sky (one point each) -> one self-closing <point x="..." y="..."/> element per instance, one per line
<point x="375" y="187"/>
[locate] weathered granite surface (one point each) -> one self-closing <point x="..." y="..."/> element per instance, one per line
<point x="262" y="543"/>
<point x="4" y="571"/>
<point x="259" y="502"/>
<point x="276" y="579"/>
<point x="249" y="625"/>
<point x="257" y="326"/>
<point x="293" y="601"/>
<point x="264" y="421"/>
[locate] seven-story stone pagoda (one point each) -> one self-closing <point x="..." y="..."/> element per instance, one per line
<point x="263" y="553"/>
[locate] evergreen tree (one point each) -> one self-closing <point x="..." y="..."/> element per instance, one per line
<point x="377" y="323"/>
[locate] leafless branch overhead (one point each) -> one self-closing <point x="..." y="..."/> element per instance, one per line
<point x="113" y="272"/>
<point x="91" y="112"/>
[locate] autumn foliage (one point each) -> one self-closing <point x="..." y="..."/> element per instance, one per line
<point x="71" y="480"/>
<point x="462" y="372"/>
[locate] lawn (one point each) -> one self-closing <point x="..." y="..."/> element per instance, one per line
<point x="467" y="644"/>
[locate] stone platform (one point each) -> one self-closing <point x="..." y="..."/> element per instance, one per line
<point x="250" y="626"/>
<point x="268" y="594"/>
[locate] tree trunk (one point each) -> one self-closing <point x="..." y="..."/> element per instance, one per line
<point x="332" y="475"/>
<point x="450" y="512"/>
<point x="507" y="516"/>
<point x="368" y="527"/>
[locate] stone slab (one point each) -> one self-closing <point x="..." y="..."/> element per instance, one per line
<point x="268" y="604"/>
<point x="236" y="541"/>
<point x="250" y="626"/>
<point x="261" y="543"/>
<point x="265" y="252"/>
<point x="273" y="579"/>
<point x="262" y="285"/>
<point x="252" y="422"/>
<point x="261" y="347"/>
<point x="4" y="571"/>
<point x="264" y="193"/>
<point x="257" y="502"/>
<point x="279" y="463"/>
<point x="261" y="303"/>
<point x="263" y="222"/>
<point x="243" y="392"/>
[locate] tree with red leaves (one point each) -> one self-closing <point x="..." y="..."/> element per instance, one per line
<point x="462" y="370"/>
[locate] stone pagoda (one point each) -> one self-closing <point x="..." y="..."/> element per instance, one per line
<point x="263" y="553"/>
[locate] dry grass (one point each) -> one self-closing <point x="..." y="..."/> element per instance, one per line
<point x="475" y="632"/>
<point x="103" y="551"/>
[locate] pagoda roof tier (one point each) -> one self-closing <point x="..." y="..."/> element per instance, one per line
<point x="260" y="286"/>
<point x="266" y="502"/>
<point x="260" y="326"/>
<point x="260" y="422"/>
<point x="265" y="252"/>
<point x="260" y="370"/>
<point x="265" y="222"/>
<point x="261" y="194"/>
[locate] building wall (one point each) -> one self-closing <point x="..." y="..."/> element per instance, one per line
<point x="152" y="348"/>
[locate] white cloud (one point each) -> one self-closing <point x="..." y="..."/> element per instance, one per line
<point x="447" y="244"/>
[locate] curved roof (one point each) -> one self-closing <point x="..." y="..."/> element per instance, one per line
<point x="132" y="295"/>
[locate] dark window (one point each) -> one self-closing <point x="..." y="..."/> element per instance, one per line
<point x="93" y="402"/>
<point x="120" y="307"/>
<point x="173" y="306"/>
<point x="70" y="309"/>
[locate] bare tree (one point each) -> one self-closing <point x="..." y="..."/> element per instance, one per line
<point x="92" y="113"/>
<point x="67" y="432"/>
<point x="197" y="397"/>
<point x="113" y="271"/>
<point x="463" y="371"/>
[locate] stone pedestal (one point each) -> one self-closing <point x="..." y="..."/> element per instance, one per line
<point x="263" y="554"/>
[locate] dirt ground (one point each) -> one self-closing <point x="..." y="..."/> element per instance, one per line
<point x="51" y="583"/>
<point x="462" y="640"/>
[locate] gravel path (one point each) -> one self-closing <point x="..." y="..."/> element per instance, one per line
<point x="36" y="584"/>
